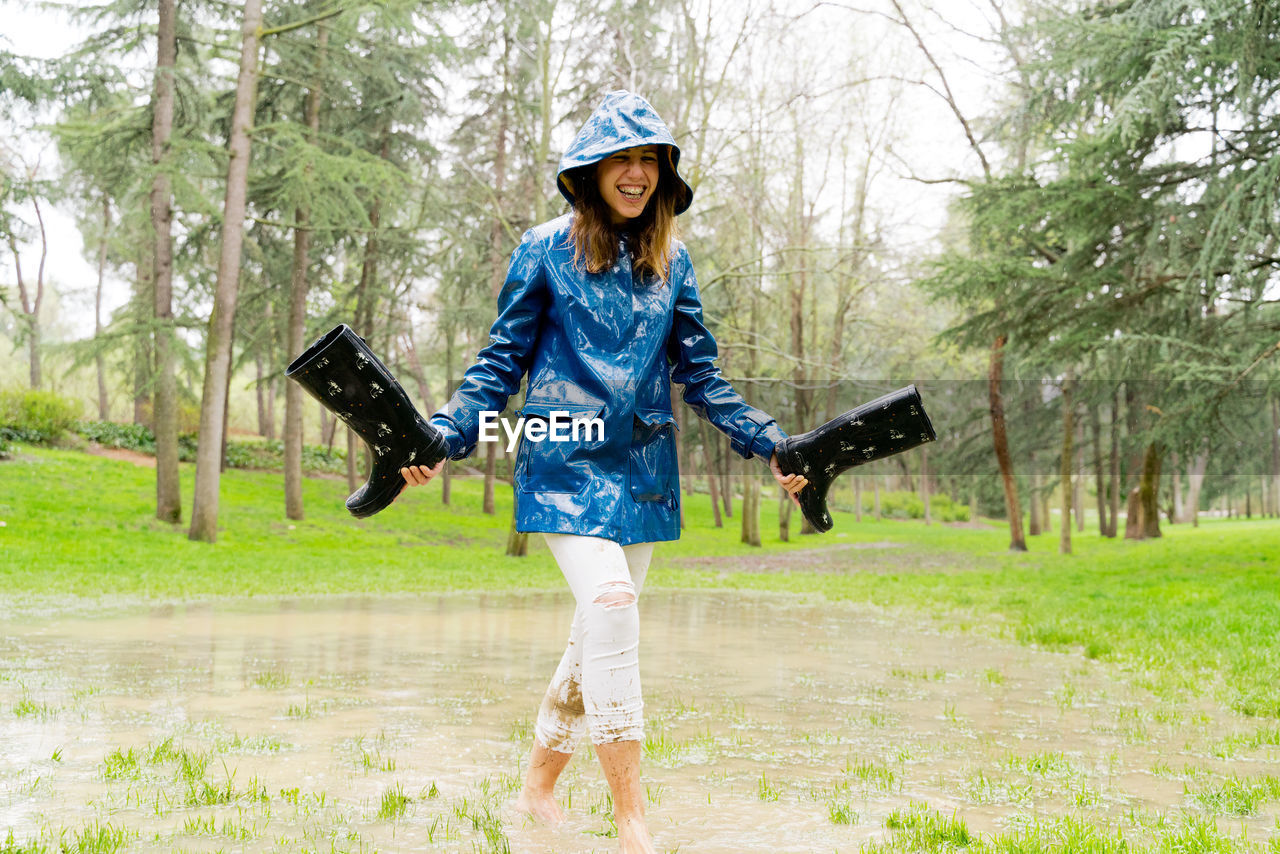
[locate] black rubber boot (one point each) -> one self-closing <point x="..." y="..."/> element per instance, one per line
<point x="884" y="427"/>
<point x="341" y="372"/>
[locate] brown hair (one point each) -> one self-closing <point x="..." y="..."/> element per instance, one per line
<point x="654" y="232"/>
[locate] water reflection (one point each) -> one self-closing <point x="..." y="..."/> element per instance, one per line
<point x="774" y="723"/>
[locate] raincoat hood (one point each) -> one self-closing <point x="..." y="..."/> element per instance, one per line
<point x="623" y="120"/>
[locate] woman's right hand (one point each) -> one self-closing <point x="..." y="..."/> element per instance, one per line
<point x="419" y="475"/>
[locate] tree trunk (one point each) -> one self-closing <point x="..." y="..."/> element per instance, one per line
<point x="490" y="474"/>
<point x="875" y="481"/>
<point x="446" y="474"/>
<point x="1100" y="481"/>
<point x="293" y="414"/>
<point x="99" y="361"/>
<point x="142" y="309"/>
<point x="415" y="368"/>
<point x="713" y="487"/>
<point x="1113" y="487"/>
<point x="1134" y="524"/>
<point x="226" y="395"/>
<point x="269" y="314"/>
<point x="750" y="505"/>
<point x="31" y="303"/>
<point x="683" y="458"/>
<point x="1133" y="466"/>
<point x="204" y="512"/>
<point x="1077" y="478"/>
<point x="724" y="454"/>
<point x="1035" y="526"/>
<point x="165" y="405"/>
<point x="924" y="483"/>
<point x="1177" y="512"/>
<point x="260" y="393"/>
<point x="328" y="428"/>
<point x="517" y="542"/>
<point x="1068" y="457"/>
<point x="298" y="285"/>
<point x="1000" y="438"/>
<point x="857" y="498"/>
<point x="1149" y="489"/>
<point x="1195" y="480"/>
<point x="1275" y="455"/>
<point x="784" y="516"/>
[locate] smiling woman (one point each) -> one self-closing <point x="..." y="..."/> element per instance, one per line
<point x="601" y="310"/>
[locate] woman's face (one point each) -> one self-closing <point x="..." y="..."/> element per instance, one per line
<point x="627" y="180"/>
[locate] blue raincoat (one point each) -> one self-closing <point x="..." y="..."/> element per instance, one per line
<point x="601" y="346"/>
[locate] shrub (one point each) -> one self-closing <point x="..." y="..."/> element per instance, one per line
<point x="38" y="417"/>
<point x="269" y="454"/>
<point x="133" y="437"/>
<point x="265" y="454"/>
<point x="909" y="505"/>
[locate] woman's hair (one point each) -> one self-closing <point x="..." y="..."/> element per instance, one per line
<point x="653" y="233"/>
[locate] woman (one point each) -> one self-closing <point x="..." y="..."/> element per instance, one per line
<point x="601" y="309"/>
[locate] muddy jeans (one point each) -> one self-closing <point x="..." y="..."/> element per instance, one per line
<point x="597" y="685"/>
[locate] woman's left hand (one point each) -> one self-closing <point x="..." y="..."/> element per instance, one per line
<point x="792" y="483"/>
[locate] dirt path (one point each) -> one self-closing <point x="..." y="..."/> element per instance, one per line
<point x="122" y="454"/>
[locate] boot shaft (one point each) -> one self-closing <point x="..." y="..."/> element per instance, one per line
<point x="343" y="374"/>
<point x="888" y="425"/>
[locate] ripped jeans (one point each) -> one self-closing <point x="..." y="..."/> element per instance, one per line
<point x="597" y="685"/>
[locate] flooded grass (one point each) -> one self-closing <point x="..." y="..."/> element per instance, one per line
<point x="899" y="689"/>
<point x="779" y="739"/>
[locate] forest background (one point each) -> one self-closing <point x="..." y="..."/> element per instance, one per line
<point x="1060" y="220"/>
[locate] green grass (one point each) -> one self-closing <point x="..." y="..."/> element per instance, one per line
<point x="394" y="803"/>
<point x="1196" y="612"/>
<point x="1195" y="609"/>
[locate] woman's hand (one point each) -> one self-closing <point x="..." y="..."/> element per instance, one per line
<point x="419" y="475"/>
<point x="792" y="483"/>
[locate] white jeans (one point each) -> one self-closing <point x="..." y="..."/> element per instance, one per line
<point x="597" y="685"/>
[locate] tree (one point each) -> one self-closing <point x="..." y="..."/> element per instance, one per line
<point x="204" y="511"/>
<point x="24" y="186"/>
<point x="168" y="494"/>
<point x="297" y="321"/>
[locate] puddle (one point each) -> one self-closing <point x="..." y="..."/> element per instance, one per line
<point x="774" y="723"/>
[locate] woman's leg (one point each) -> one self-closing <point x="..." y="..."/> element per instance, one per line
<point x="595" y="569"/>
<point x="560" y="725"/>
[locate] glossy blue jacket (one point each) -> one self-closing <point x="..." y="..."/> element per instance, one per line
<point x="607" y="346"/>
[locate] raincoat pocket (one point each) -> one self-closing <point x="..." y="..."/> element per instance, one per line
<point x="561" y="460"/>
<point x="652" y="460"/>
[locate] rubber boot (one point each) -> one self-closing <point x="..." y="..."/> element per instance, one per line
<point x="341" y="372"/>
<point x="886" y="426"/>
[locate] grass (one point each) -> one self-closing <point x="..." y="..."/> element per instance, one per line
<point x="1196" y="613"/>
<point x="394" y="803"/>
<point x="1193" y="605"/>
<point x="1236" y="796"/>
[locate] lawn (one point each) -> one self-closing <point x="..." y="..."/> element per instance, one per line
<point x="1180" y="635"/>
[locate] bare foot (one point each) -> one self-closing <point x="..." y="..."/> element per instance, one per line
<point x="633" y="837"/>
<point x="541" y="807"/>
